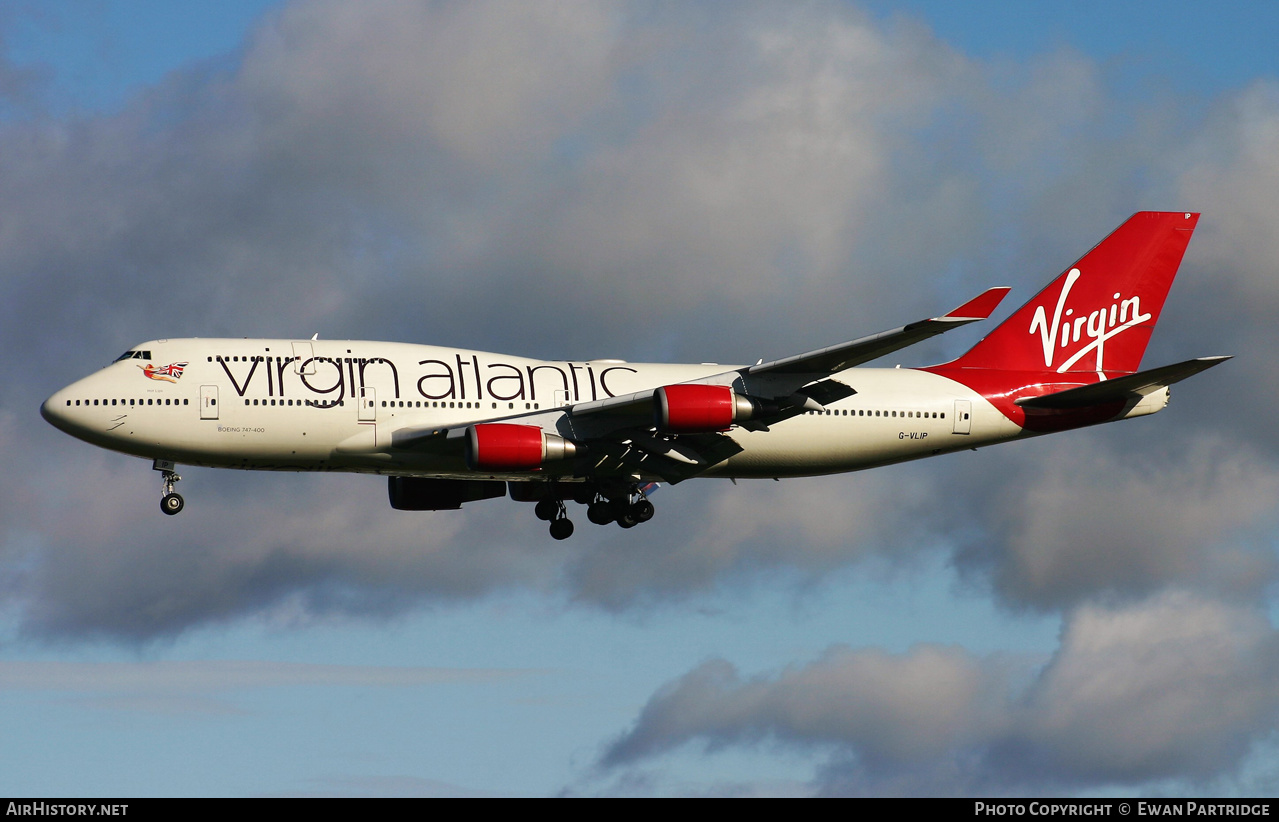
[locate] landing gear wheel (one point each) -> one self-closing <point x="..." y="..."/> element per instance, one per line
<point x="171" y="503"/>
<point x="627" y="519"/>
<point x="643" y="510"/>
<point x="547" y="509"/>
<point x="562" y="528"/>
<point x="600" y="513"/>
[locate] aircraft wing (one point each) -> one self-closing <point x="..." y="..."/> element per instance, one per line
<point x="619" y="430"/>
<point x="828" y="360"/>
<point x="846" y="355"/>
<point x="1132" y="386"/>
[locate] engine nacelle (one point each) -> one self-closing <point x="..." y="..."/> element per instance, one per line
<point x="430" y="494"/>
<point x="696" y="409"/>
<point x="501" y="446"/>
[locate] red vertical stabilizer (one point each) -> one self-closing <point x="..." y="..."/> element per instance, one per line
<point x="1098" y="315"/>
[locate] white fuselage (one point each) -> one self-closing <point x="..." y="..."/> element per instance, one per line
<point x="333" y="406"/>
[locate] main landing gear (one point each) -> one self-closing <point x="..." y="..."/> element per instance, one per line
<point x="171" y="502"/>
<point x="553" y="511"/>
<point x="626" y="505"/>
<point x="627" y="511"/>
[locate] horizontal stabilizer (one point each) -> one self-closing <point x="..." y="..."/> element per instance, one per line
<point x="1122" y="388"/>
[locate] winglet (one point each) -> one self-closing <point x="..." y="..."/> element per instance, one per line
<point x="979" y="307"/>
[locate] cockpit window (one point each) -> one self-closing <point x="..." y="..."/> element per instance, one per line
<point x="134" y="355"/>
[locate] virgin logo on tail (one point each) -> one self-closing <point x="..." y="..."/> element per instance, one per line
<point x="1098" y="326"/>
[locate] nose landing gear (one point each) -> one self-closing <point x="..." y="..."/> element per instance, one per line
<point x="171" y="502"/>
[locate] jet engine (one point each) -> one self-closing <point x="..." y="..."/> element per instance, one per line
<point x="499" y="446"/>
<point x="431" y="494"/>
<point x="696" y="409"/>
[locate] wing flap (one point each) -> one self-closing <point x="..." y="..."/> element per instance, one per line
<point x="672" y="459"/>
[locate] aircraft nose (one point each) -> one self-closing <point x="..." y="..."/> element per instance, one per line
<point x="54" y="411"/>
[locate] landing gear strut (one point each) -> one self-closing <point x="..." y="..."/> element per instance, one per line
<point x="625" y="504"/>
<point x="171" y="502"/>
<point x="627" y="510"/>
<point x="551" y="509"/>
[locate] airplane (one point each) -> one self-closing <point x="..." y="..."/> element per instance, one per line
<point x="450" y="426"/>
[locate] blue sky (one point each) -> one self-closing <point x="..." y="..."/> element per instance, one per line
<point x="583" y="180"/>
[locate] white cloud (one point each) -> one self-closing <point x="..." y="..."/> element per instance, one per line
<point x="1176" y="686"/>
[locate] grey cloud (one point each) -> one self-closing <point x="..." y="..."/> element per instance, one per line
<point x="121" y="575"/>
<point x="806" y="527"/>
<point x="410" y="171"/>
<point x="1230" y="170"/>
<point x="1177" y="686"/>
<point x="1080" y="517"/>
<point x="593" y="180"/>
<point x="313" y="546"/>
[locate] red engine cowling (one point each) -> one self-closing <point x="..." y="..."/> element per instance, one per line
<point x="695" y="409"/>
<point x="498" y="446"/>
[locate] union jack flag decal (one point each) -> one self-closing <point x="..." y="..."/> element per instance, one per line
<point x="169" y="373"/>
